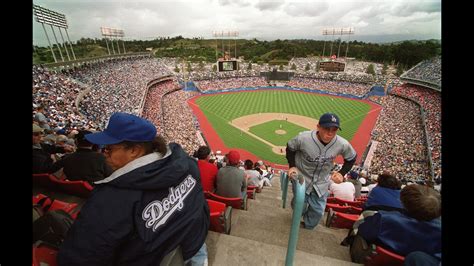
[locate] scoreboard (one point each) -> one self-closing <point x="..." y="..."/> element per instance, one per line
<point x="228" y="65"/>
<point x="332" y="66"/>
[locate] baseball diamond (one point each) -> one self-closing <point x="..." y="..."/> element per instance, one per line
<point x="249" y="120"/>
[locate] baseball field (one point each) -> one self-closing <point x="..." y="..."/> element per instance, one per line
<point x="261" y="122"/>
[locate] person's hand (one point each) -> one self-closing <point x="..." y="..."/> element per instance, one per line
<point x="293" y="173"/>
<point x="68" y="148"/>
<point x="337" y="178"/>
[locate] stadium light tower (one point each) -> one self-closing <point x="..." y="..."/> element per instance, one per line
<point x="337" y="31"/>
<point x="111" y="33"/>
<point x="222" y="35"/>
<point x="52" y="18"/>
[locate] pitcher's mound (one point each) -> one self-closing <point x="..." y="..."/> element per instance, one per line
<point x="280" y="132"/>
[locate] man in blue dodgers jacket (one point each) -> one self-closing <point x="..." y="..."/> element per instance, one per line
<point x="151" y="204"/>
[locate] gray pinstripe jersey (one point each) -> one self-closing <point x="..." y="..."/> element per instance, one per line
<point x="315" y="161"/>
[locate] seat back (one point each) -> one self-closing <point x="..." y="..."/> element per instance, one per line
<point x="357" y="204"/>
<point x="342" y="220"/>
<point x="237" y="203"/>
<point x="216" y="210"/>
<point x="257" y="188"/>
<point x="80" y="189"/>
<point x="251" y="193"/>
<point x="65" y="206"/>
<point x="383" y="256"/>
<point x="42" y="200"/>
<point x="44" y="254"/>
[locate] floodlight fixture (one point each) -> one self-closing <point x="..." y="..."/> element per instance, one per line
<point x="337" y="31"/>
<point x="223" y="35"/>
<point x="49" y="17"/>
<point x="108" y="32"/>
<point x="53" y="18"/>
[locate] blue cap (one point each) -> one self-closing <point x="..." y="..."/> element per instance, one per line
<point x="329" y="120"/>
<point x="124" y="127"/>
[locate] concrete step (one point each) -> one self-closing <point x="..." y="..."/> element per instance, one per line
<point x="275" y="230"/>
<point x="232" y="250"/>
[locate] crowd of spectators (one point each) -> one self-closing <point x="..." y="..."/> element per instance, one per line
<point x="427" y="70"/>
<point x="230" y="83"/>
<point x="430" y="100"/>
<point x="120" y="85"/>
<point x="179" y="123"/>
<point x="57" y="93"/>
<point x="358" y="89"/>
<point x="153" y="109"/>
<point x="116" y="85"/>
<point x="400" y="133"/>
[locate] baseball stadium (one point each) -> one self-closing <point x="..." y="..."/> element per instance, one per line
<point x="227" y="111"/>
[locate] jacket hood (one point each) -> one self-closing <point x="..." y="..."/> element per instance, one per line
<point x="153" y="171"/>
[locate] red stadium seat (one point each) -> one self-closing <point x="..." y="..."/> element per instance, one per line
<point x="342" y="202"/>
<point x="343" y="209"/>
<point x="221" y="216"/>
<point x="257" y="188"/>
<point x="341" y="220"/>
<point x="381" y="256"/>
<point x="80" y="189"/>
<point x="236" y="203"/>
<point x="44" y="254"/>
<point x="65" y="206"/>
<point x="251" y="193"/>
<point x="42" y="200"/>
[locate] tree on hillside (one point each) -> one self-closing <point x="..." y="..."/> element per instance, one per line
<point x="293" y="66"/>
<point x="308" y="67"/>
<point x="214" y="68"/>
<point x="176" y="69"/>
<point x="384" y="69"/>
<point x="400" y="69"/>
<point x="249" y="67"/>
<point x="371" y="69"/>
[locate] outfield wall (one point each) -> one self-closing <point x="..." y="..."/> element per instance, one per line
<point x="286" y="88"/>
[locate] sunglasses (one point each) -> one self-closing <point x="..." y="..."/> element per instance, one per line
<point x="111" y="148"/>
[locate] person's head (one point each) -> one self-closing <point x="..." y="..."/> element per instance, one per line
<point x="126" y="138"/>
<point x="421" y="202"/>
<point x="248" y="164"/>
<point x="353" y="175"/>
<point x="38" y="133"/>
<point x="389" y="181"/>
<point x="328" y="126"/>
<point x="233" y="157"/>
<point x="81" y="140"/>
<point x="203" y="153"/>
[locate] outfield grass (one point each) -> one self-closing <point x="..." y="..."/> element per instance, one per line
<point x="221" y="108"/>
<point x="267" y="130"/>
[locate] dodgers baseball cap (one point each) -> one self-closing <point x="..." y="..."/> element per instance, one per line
<point x="124" y="127"/>
<point x="329" y="120"/>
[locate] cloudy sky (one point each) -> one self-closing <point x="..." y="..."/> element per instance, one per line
<point x="372" y="21"/>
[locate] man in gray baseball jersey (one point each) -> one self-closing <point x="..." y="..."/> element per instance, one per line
<point x="312" y="154"/>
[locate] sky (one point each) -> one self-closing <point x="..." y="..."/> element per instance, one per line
<point x="372" y="21"/>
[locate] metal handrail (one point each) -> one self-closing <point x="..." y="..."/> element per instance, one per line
<point x="299" y="189"/>
<point x="284" y="187"/>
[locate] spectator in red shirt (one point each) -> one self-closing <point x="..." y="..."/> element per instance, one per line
<point x="207" y="170"/>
